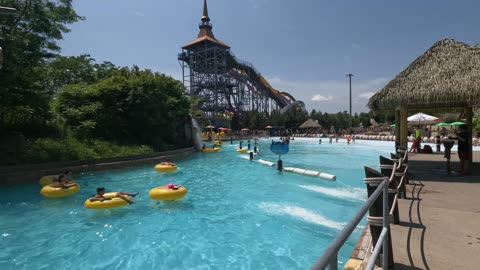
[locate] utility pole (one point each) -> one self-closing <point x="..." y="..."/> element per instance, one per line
<point x="350" y="118"/>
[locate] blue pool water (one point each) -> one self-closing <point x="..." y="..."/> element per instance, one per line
<point x="237" y="214"/>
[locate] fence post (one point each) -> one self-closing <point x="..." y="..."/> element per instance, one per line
<point x="403" y="187"/>
<point x="376" y="213"/>
<point x="393" y="185"/>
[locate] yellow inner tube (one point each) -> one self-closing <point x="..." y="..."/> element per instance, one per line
<point x="113" y="203"/>
<point x="165" y="168"/>
<point x="47" y="180"/>
<point x="243" y="150"/>
<point x="54" y="191"/>
<point x="210" y="150"/>
<point x="166" y="194"/>
<point x="219" y="142"/>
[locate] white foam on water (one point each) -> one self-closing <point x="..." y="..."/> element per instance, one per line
<point x="244" y="157"/>
<point x="301" y="213"/>
<point x="356" y="194"/>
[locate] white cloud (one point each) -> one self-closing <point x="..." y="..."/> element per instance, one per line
<point x="330" y="95"/>
<point x="138" y="13"/>
<point x="366" y="95"/>
<point x="355" y="45"/>
<point x="321" y="98"/>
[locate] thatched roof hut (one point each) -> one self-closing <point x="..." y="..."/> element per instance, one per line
<point x="310" y="123"/>
<point x="447" y="76"/>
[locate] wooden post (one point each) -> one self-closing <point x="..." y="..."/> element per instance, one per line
<point x="403" y="127"/>
<point x="397" y="129"/>
<point x="393" y="185"/>
<point x="377" y="211"/>
<point x="403" y="188"/>
<point x="469" y="118"/>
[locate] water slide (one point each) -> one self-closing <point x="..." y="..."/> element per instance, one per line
<point x="283" y="99"/>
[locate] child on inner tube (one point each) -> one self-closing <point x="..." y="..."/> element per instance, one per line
<point x="61" y="181"/>
<point x="168" y="162"/>
<point x="122" y="195"/>
<point x="173" y="186"/>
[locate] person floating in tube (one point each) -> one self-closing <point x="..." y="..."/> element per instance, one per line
<point x="168" y="162"/>
<point x="62" y="182"/>
<point x="122" y="195"/>
<point x="173" y="186"/>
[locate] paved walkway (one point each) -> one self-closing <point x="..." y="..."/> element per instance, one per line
<point x="440" y="219"/>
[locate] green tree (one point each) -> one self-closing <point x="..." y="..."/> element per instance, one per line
<point x="132" y="107"/>
<point x="29" y="40"/>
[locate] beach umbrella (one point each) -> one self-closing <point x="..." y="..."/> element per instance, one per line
<point x="210" y="126"/>
<point x="421" y="118"/>
<point x="442" y="124"/>
<point x="268" y="127"/>
<point x="245" y="129"/>
<point x="458" y="123"/>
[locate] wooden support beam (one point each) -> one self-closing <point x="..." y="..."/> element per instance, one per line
<point x="397" y="129"/>
<point x="469" y="122"/>
<point x="403" y="126"/>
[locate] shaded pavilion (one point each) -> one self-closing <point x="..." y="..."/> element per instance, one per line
<point x="310" y="123"/>
<point x="445" y="78"/>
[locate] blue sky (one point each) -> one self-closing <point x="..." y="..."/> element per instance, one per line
<point x="304" y="47"/>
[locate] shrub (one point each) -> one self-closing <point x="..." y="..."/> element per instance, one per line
<point x="51" y="150"/>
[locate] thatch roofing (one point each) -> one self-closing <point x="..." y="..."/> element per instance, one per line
<point x="445" y="76"/>
<point x="310" y="123"/>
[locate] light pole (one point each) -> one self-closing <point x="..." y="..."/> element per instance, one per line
<point x="350" y="116"/>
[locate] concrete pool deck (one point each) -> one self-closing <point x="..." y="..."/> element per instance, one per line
<point x="440" y="219"/>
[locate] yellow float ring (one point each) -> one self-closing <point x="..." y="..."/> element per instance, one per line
<point x="219" y="142"/>
<point x="165" y="168"/>
<point x="47" y="180"/>
<point x="113" y="203"/>
<point x="166" y="194"/>
<point x="243" y="150"/>
<point x="54" y="191"/>
<point x="211" y="150"/>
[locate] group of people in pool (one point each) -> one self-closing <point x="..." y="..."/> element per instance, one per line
<point x="65" y="181"/>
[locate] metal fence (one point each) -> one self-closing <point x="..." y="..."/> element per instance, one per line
<point x="329" y="259"/>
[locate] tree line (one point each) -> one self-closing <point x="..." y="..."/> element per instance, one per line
<point x="54" y="107"/>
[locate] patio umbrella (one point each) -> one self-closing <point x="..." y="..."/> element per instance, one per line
<point x="421" y="118"/>
<point x="245" y="129"/>
<point x="210" y="126"/>
<point x="458" y="123"/>
<point x="268" y="127"/>
<point x="442" y="124"/>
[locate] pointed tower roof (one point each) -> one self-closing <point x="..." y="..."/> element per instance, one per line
<point x="205" y="30"/>
<point x="205" y="17"/>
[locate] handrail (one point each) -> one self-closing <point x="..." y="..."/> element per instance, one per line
<point x="332" y="250"/>
<point x="329" y="257"/>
